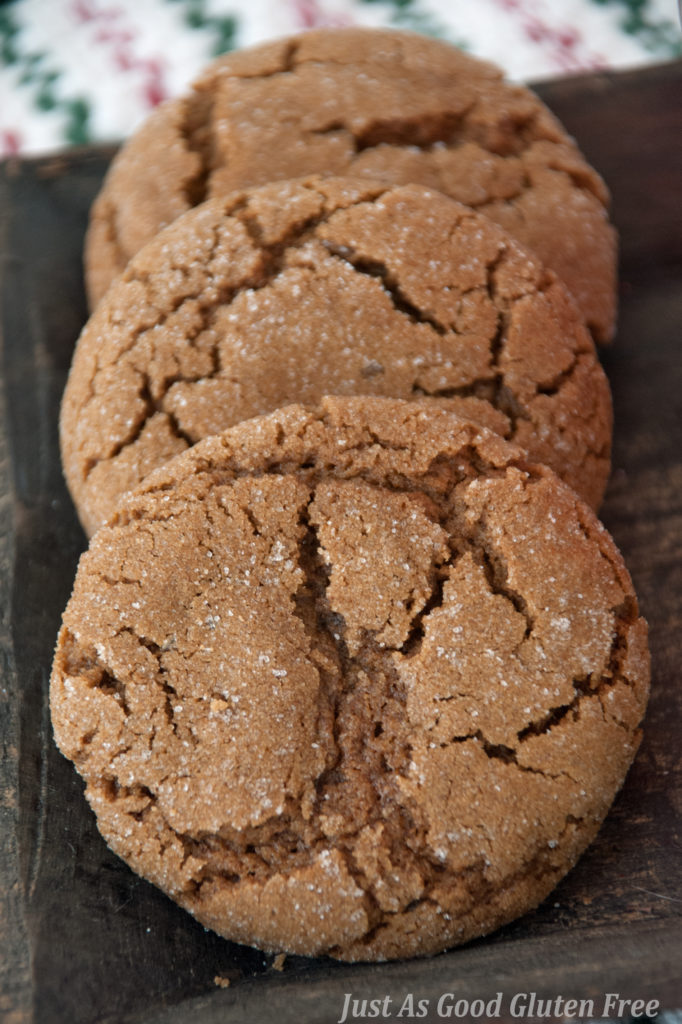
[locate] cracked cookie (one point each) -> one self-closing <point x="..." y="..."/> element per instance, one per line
<point x="294" y="290"/>
<point x="387" y="105"/>
<point x="357" y="680"/>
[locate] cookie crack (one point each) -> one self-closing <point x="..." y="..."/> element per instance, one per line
<point x="491" y="387"/>
<point x="438" y="480"/>
<point x="425" y="132"/>
<point x="298" y="232"/>
<point x="86" y="662"/>
<point x="368" y="679"/>
<point x="373" y="910"/>
<point x="152" y="404"/>
<point x="274" y="847"/>
<point x="581" y="686"/>
<point x="503" y="397"/>
<point x="156" y="407"/>
<point x="196" y="131"/>
<point x="161" y="675"/>
<point x="509" y="755"/>
<point x="595" y="533"/>
<point x="324" y="629"/>
<point x="412" y="644"/>
<point x="152" y="407"/>
<point x="554" y="386"/>
<point x="472" y="877"/>
<point x="287" y="64"/>
<point x="497" y="574"/>
<point x="389" y="282"/>
<point x="592" y="685"/>
<point x="107" y="214"/>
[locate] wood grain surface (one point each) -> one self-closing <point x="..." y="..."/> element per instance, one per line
<point x="82" y="939"/>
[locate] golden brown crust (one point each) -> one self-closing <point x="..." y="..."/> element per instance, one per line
<point x="355" y="680"/>
<point x="382" y="104"/>
<point x="299" y="289"/>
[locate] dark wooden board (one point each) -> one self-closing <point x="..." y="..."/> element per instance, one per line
<point x="82" y="940"/>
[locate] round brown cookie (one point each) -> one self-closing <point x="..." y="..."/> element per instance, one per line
<point x="388" y="105"/>
<point x="328" y="286"/>
<point x="356" y="680"/>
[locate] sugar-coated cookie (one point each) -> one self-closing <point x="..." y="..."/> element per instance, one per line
<point x="294" y="290"/>
<point x="383" y="104"/>
<point x="355" y="680"/>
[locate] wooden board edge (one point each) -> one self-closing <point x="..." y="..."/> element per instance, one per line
<point x="15" y="957"/>
<point x="586" y="967"/>
<point x="662" y="71"/>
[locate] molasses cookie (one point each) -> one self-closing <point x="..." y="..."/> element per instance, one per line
<point x="328" y="286"/>
<point x="387" y="105"/>
<point x="356" y="680"/>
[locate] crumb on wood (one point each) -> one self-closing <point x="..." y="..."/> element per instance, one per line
<point x="278" y="962"/>
<point x="221" y="982"/>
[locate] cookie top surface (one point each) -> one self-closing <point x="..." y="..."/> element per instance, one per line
<point x="383" y="104"/>
<point x="353" y="680"/>
<point x="298" y="289"/>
